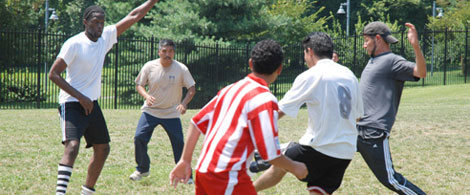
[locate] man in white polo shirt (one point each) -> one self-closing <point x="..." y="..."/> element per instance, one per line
<point x="331" y="92"/>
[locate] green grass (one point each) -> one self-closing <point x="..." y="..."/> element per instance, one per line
<point x="430" y="146"/>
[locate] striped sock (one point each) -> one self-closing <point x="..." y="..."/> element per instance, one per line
<point x="63" y="179"/>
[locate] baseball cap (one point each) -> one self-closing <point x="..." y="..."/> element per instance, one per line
<point x="382" y="29"/>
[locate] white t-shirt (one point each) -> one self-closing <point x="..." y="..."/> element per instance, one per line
<point x="331" y="92"/>
<point x="84" y="59"/>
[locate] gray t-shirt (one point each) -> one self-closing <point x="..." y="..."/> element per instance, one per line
<point x="381" y="86"/>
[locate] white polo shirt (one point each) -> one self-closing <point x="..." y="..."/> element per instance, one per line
<point x="331" y="92"/>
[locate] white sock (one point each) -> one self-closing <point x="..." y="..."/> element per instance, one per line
<point x="87" y="191"/>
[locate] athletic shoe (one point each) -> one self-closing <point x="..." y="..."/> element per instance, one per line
<point x="258" y="164"/>
<point x="136" y="176"/>
<point x="190" y="181"/>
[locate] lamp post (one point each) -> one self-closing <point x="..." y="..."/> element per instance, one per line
<point x="53" y="17"/>
<point x="341" y="12"/>
<point x="440" y="15"/>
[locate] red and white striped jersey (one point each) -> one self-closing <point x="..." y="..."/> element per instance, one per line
<point x="242" y="117"/>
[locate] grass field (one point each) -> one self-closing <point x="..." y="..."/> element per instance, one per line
<point x="430" y="146"/>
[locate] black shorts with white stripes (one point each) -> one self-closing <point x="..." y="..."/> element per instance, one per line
<point x="75" y="124"/>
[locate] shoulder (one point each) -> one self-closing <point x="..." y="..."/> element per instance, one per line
<point x="76" y="38"/>
<point x="180" y="65"/>
<point x="150" y="64"/>
<point x="75" y="41"/>
<point x="109" y="29"/>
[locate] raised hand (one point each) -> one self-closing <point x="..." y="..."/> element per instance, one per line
<point x="412" y="34"/>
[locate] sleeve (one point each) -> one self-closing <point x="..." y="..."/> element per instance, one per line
<point x="188" y="78"/>
<point x="297" y="95"/>
<point x="203" y="118"/>
<point x="359" y="102"/>
<point x="110" y="36"/>
<point x="67" y="52"/>
<point x="403" y="70"/>
<point x="142" y="77"/>
<point x="262" y="124"/>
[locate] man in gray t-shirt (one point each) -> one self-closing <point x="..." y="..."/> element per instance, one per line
<point x="381" y="86"/>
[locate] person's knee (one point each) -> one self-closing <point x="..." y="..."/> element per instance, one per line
<point x="71" y="148"/>
<point x="139" y="139"/>
<point x="102" y="149"/>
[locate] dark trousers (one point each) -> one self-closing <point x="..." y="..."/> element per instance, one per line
<point x="143" y="133"/>
<point x="376" y="153"/>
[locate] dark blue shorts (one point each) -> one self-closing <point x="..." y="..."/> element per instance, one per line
<point x="75" y="124"/>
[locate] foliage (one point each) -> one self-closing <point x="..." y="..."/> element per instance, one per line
<point x="456" y="15"/>
<point x="290" y="21"/>
<point x="178" y="20"/>
<point x="20" y="13"/>
<point x="23" y="90"/>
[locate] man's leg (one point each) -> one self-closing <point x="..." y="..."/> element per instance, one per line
<point x="66" y="165"/>
<point x="175" y="132"/>
<point x="269" y="178"/>
<point x="100" y="153"/>
<point x="376" y="153"/>
<point x="142" y="137"/>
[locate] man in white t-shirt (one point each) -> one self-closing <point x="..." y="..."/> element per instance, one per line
<point x="165" y="79"/>
<point x="82" y="56"/>
<point x="331" y="92"/>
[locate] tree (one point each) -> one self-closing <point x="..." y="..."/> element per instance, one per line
<point x="18" y="14"/>
<point x="290" y="21"/>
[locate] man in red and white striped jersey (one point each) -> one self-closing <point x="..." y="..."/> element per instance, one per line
<point x="242" y="117"/>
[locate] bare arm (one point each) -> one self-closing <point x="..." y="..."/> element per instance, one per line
<point x="148" y="98"/>
<point x="54" y="75"/>
<point x="281" y="114"/>
<point x="420" y="68"/>
<point x="134" y="16"/>
<point x="182" y="171"/>
<point x="189" y="96"/>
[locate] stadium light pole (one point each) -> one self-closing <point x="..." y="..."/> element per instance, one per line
<point x="439" y="15"/>
<point x="53" y="17"/>
<point x="347" y="12"/>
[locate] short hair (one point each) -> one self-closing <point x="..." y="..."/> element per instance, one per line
<point x="92" y="9"/>
<point x="166" y="42"/>
<point x="266" y="56"/>
<point x="320" y="43"/>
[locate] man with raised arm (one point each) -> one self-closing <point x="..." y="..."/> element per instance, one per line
<point x="82" y="56"/>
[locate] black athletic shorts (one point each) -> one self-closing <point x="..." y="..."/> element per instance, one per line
<point x="75" y="124"/>
<point x="325" y="173"/>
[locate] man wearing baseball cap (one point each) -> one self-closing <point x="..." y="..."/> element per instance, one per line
<point x="381" y="86"/>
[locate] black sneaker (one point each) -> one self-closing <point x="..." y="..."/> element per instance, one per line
<point x="258" y="164"/>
